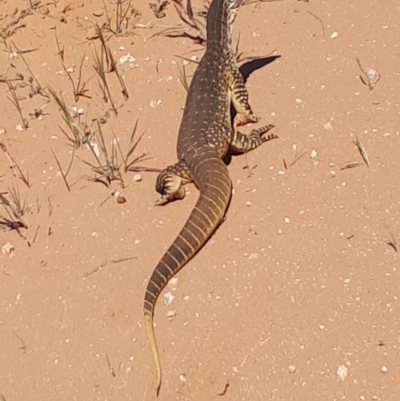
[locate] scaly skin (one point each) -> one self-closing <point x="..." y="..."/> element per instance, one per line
<point x="204" y="138"/>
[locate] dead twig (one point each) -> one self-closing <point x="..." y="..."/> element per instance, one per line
<point x="392" y="242"/>
<point x="362" y="151"/>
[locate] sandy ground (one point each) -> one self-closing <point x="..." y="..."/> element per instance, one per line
<point x="296" y="296"/>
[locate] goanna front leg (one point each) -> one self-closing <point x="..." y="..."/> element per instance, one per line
<point x="170" y="182"/>
<point x="242" y="143"/>
<point x="240" y="97"/>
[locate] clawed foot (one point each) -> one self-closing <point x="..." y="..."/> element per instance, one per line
<point x="260" y="133"/>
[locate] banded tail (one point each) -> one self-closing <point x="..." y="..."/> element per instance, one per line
<point x="215" y="193"/>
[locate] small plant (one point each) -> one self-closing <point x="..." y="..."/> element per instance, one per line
<point x="15" y="102"/>
<point x="15" y="210"/>
<point x="159" y="8"/>
<point x="64" y="175"/>
<point x="105" y="63"/>
<point x="79" y="89"/>
<point x="79" y="136"/>
<point x="188" y="17"/>
<point x="113" y="67"/>
<point x="99" y="68"/>
<point x="122" y="17"/>
<point x="183" y="77"/>
<point x="14" y="165"/>
<point x="36" y="87"/>
<point x="108" y="167"/>
<point x="133" y="143"/>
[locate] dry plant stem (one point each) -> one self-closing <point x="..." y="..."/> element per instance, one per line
<point x="392" y="242"/>
<point x="30" y="243"/>
<point x="115" y="69"/>
<point x="112" y="261"/>
<point x="128" y="165"/>
<point x="121" y="15"/>
<point x="187" y="16"/>
<point x="362" y="151"/>
<point x="40" y="89"/>
<point x="370" y="77"/>
<point x="111" y="64"/>
<point x="80" y="88"/>
<point x="183" y="78"/>
<point x="15" y="103"/>
<point x="13" y="164"/>
<point x="110" y="169"/>
<point x="103" y="46"/>
<point x="320" y="21"/>
<point x="79" y="136"/>
<point x="190" y="19"/>
<point x="15" y="211"/>
<point x="99" y="68"/>
<point x="18" y="207"/>
<point x="349" y="165"/>
<point x="64" y="176"/>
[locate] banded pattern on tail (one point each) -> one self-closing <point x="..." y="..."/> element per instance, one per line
<point x="204" y="219"/>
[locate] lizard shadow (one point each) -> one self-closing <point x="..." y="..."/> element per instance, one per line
<point x="246" y="69"/>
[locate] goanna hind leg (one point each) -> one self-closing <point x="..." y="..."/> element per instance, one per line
<point x="170" y="182"/>
<point x="242" y="143"/>
<point x="240" y="97"/>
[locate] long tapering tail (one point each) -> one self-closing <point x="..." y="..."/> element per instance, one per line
<point x="206" y="215"/>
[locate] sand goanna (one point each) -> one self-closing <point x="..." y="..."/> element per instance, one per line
<point x="205" y="136"/>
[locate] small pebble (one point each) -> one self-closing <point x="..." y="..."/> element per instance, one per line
<point x="372" y="74"/>
<point x="8" y="249"/>
<point x="292" y="369"/>
<point x="254" y="256"/>
<point x="334" y="35"/>
<point x="171" y="314"/>
<point x="384" y="369"/>
<point x="127" y="58"/>
<point x="342" y="371"/>
<point x="2" y="131"/>
<point x="168" y="298"/>
<point x="313" y="154"/>
<point x="173" y="282"/>
<point x="248" y="203"/>
<point x="137" y="177"/>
